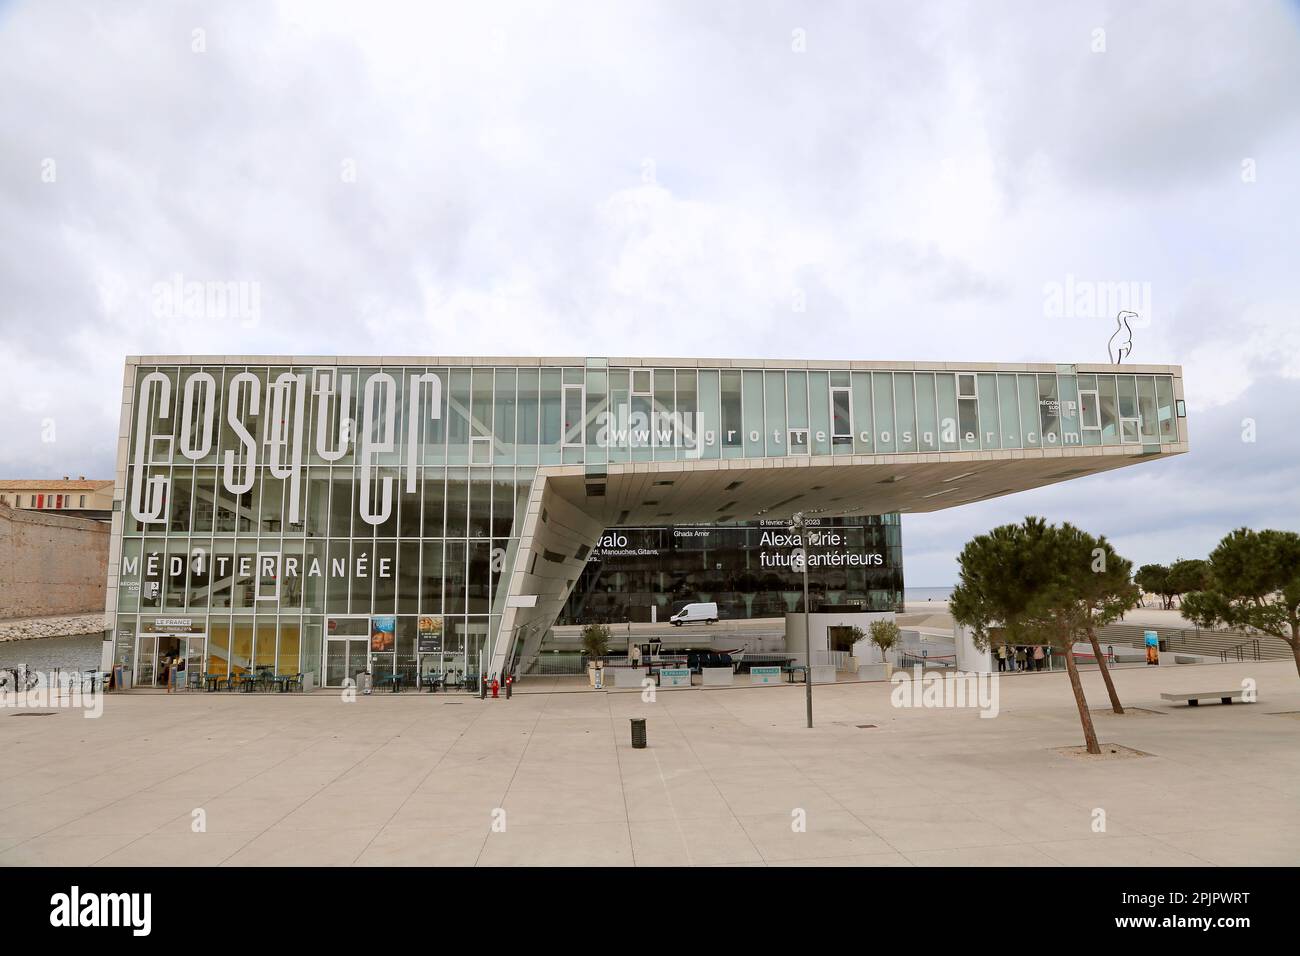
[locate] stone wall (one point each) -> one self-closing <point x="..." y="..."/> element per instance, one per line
<point x="71" y="625"/>
<point x="51" y="565"/>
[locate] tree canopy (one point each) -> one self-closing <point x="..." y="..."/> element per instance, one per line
<point x="1041" y="584"/>
<point x="1253" y="582"/>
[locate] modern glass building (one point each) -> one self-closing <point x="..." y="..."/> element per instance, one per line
<point x="323" y="515"/>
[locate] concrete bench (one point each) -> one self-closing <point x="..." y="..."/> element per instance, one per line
<point x="1193" y="699"/>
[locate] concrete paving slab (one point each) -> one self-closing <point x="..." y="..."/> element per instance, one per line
<point x="415" y="780"/>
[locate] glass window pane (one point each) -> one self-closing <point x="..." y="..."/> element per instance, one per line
<point x="905" y="410"/>
<point x="241" y="649"/>
<point x="797" y="399"/>
<point x="1008" y="412"/>
<point x="454" y="582"/>
<point x="551" y="434"/>
<point x="948" y="425"/>
<point x="289" y="659"/>
<point x="480" y="504"/>
<point x="457" y="497"/>
<point x="384" y="573"/>
<point x="882" y="388"/>
<point x="733" y="425"/>
<point x="927" y="420"/>
<point x="481" y="403"/>
<point x="664" y="431"/>
<point x="478" y="589"/>
<point x="431" y="578"/>
<point x="687" y="411"/>
<point x="597" y="406"/>
<point x="1164" y="409"/>
<point x="1049" y="413"/>
<point x="527" y="429"/>
<point x="1029" y="423"/>
<point x="503" y="424"/>
<point x="1147" y="407"/>
<point x="775" y="421"/>
<point x="1127" y="396"/>
<point x="819" y="412"/>
<point x="458" y="417"/>
<point x="620" y="409"/>
<point x="753" y="407"/>
<point x="864" y="440"/>
<point x="987" y="385"/>
<point x="1109" y="404"/>
<point x="264" y="658"/>
<point x="968" y="423"/>
<point x="1069" y="406"/>
<point x="710" y="419"/>
<point x="218" y="645"/>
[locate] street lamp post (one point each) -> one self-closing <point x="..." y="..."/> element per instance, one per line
<point x="801" y="554"/>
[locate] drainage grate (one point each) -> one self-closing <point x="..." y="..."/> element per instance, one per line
<point x="34" y="713"/>
<point x="865" y="726"/>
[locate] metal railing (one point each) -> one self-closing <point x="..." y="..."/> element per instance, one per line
<point x="1238" y="651"/>
<point x="907" y="658"/>
<point x="1201" y="641"/>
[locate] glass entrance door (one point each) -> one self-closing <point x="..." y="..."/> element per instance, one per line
<point x="345" y="657"/>
<point x="347" y="649"/>
<point x="146" y="661"/>
<point x="157" y="652"/>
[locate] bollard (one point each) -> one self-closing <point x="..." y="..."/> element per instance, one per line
<point x="638" y="733"/>
<point x="482" y="691"/>
<point x="510" y="682"/>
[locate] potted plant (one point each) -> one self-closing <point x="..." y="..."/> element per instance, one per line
<point x="885" y="635"/>
<point x="595" y="645"/>
<point x="855" y="638"/>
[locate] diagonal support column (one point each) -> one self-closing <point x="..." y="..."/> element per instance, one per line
<point x="554" y="542"/>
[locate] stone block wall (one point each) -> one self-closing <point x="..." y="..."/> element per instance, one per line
<point x="51" y="564"/>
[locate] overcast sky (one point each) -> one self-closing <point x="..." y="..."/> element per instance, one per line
<point x="671" y="179"/>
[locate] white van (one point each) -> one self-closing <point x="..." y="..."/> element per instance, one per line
<point x="706" y="611"/>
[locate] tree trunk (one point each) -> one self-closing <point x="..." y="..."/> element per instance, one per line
<point x="1085" y="718"/>
<point x="1115" y="705"/>
<point x="1295" y="646"/>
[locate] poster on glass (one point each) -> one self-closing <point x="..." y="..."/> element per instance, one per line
<point x="429" y="636"/>
<point x="382" y="634"/>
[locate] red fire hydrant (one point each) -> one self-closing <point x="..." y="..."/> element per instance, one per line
<point x="496" y="687"/>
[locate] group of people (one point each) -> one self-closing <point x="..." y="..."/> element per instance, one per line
<point x="1021" y="657"/>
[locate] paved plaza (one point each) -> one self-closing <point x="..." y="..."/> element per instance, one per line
<point x="727" y="778"/>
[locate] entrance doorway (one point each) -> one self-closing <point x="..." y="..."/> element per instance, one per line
<point x="156" y="652"/>
<point x="347" y="649"/>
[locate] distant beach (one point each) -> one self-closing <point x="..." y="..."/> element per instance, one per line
<point x="911" y="595"/>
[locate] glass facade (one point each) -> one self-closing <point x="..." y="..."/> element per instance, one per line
<point x="637" y="574"/>
<point x="277" y="516"/>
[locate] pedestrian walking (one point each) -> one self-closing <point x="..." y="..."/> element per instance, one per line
<point x="1038" y="657"/>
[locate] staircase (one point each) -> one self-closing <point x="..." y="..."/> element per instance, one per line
<point x="1220" y="645"/>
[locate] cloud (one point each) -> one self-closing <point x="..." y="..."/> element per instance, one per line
<point x="663" y="179"/>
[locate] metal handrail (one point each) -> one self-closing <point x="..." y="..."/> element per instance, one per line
<point x="1237" y="649"/>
